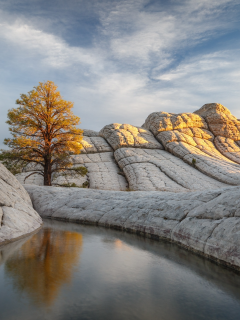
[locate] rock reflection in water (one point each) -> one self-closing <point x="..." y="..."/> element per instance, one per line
<point x="44" y="264"/>
<point x="121" y="276"/>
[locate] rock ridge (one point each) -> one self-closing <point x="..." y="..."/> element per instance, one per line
<point x="171" y="152"/>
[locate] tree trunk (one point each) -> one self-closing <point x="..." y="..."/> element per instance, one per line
<point x="47" y="172"/>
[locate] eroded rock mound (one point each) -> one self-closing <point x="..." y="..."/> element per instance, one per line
<point x="163" y="121"/>
<point x="126" y="135"/>
<point x="202" y="151"/>
<point x="220" y="120"/>
<point x="17" y="216"/>
<point x="225" y="127"/>
<point x="192" y="137"/>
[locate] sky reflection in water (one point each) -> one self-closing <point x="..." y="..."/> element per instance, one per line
<point x="69" y="271"/>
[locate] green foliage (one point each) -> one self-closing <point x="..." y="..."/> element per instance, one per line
<point x="85" y="184"/>
<point x="194" y="162"/>
<point x="129" y="189"/>
<point x="69" y="185"/>
<point x="74" y="185"/>
<point x="12" y="161"/>
<point x="82" y="171"/>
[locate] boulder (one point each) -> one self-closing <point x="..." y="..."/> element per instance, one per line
<point x="17" y="216"/>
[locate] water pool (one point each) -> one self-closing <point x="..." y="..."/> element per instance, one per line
<point x="70" y="271"/>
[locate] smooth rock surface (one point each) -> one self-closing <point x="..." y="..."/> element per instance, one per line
<point x="17" y="216"/>
<point x="200" y="221"/>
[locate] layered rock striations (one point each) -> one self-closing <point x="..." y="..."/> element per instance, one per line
<point x="170" y="152"/>
<point x="17" y="216"/>
<point x="192" y="138"/>
<point x="160" y="170"/>
<point x="103" y="172"/>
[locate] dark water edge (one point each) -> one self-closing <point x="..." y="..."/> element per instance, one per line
<point x="72" y="271"/>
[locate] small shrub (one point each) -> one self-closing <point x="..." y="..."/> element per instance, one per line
<point x="85" y="184"/>
<point x="69" y="185"/>
<point x="129" y="189"/>
<point x="194" y="162"/>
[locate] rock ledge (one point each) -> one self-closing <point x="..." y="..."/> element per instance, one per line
<point x="206" y="222"/>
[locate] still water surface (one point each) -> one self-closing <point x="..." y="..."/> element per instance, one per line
<point x="68" y="271"/>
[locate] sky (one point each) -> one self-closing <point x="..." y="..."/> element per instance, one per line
<point x="120" y="60"/>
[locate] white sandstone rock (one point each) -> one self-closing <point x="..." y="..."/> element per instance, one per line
<point x="220" y="120"/>
<point x="195" y="158"/>
<point x="17" y="216"/>
<point x="30" y="177"/>
<point x="163" y="121"/>
<point x="94" y="145"/>
<point x="159" y="170"/>
<point x="229" y="148"/>
<point x="103" y="172"/>
<point x="125" y="135"/>
<point x="221" y="169"/>
<point x="207" y="222"/>
<point x="90" y="133"/>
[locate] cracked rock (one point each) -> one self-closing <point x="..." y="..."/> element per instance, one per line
<point x="126" y="135"/>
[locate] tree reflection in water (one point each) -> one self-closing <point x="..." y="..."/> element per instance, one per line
<point x="44" y="264"/>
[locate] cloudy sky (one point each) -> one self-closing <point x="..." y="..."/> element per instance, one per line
<point x="119" y="60"/>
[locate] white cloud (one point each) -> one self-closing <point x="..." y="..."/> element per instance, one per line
<point x="53" y="50"/>
<point x="135" y="33"/>
<point x="131" y="68"/>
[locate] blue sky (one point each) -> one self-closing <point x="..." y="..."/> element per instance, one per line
<point x="120" y="60"/>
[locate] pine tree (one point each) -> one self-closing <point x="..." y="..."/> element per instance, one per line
<point x="44" y="133"/>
